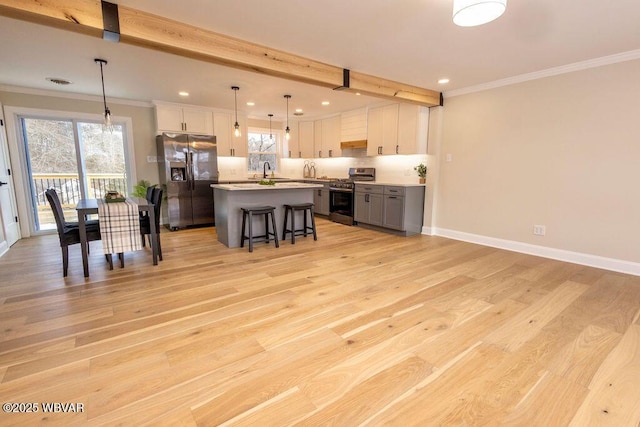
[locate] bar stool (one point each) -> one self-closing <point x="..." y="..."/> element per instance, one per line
<point x="258" y="210"/>
<point x="304" y="207"/>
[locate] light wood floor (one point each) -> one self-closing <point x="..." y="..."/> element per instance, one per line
<point x="358" y="328"/>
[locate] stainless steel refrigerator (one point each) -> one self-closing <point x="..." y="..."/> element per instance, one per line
<point x="188" y="166"/>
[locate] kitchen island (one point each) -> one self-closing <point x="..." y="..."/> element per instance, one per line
<point x="230" y="198"/>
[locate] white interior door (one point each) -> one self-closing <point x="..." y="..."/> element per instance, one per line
<point x="9" y="228"/>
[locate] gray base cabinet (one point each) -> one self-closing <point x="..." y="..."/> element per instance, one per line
<point x="321" y="199"/>
<point x="396" y="208"/>
<point x="369" y="202"/>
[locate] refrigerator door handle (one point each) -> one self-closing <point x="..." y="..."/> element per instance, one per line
<point x="193" y="180"/>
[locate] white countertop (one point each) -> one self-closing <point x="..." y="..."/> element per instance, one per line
<point x="255" y="186"/>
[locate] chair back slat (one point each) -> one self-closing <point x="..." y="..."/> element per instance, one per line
<point x="156" y="199"/>
<point x="56" y="207"/>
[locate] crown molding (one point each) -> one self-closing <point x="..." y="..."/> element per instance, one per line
<point x="72" y="95"/>
<point x="570" y="68"/>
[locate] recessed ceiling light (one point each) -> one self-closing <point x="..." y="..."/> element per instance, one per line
<point x="183" y="93"/>
<point x="298" y="110"/>
<point x="357" y="93"/>
<point x="59" y="81"/>
<point x="325" y="102"/>
<point x="251" y="103"/>
<point x="443" y="81"/>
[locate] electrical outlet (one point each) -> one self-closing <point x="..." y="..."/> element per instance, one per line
<point x="233" y="171"/>
<point x="407" y="172"/>
<point x="539" y="230"/>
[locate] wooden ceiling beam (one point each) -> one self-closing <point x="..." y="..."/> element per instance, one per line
<point x="143" y="29"/>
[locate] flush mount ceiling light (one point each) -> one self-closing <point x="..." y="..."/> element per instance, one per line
<point x="469" y="13"/>
<point x="107" y="114"/>
<point x="236" y="126"/>
<point x="287" y="135"/>
<point x="270" y="134"/>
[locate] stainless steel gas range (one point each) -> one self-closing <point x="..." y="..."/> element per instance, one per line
<point x="341" y="194"/>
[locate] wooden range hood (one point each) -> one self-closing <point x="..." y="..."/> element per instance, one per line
<point x="125" y="25"/>
<point x="353" y="144"/>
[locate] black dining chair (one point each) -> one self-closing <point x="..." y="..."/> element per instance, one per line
<point x="69" y="232"/>
<point x="145" y="226"/>
<point x="149" y="198"/>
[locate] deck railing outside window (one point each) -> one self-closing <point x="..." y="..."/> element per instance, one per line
<point x="68" y="188"/>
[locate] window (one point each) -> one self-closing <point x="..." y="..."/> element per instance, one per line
<point x="75" y="157"/>
<point x="262" y="148"/>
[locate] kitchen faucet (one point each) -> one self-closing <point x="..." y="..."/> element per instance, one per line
<point x="264" y="169"/>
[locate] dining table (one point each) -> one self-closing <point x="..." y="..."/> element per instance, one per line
<point x="90" y="206"/>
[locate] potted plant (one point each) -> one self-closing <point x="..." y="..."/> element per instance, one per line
<point x="140" y="189"/>
<point x="422" y="172"/>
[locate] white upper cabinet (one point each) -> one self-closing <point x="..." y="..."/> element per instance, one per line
<point x="291" y="147"/>
<point x="413" y="126"/>
<point x="183" y="119"/>
<point x="331" y="137"/>
<point x="382" y="130"/>
<point x="229" y="145"/>
<point x="305" y="140"/>
<point x="326" y="137"/>
<point x="397" y="129"/>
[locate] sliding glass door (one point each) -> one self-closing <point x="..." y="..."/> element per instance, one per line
<point x="75" y="157"/>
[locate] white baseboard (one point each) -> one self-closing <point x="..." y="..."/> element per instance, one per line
<point x="612" y="264"/>
<point x="429" y="231"/>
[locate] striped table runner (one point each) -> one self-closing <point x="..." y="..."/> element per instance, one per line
<point x="119" y="226"/>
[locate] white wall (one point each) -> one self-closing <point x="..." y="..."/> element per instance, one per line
<point x="562" y="151"/>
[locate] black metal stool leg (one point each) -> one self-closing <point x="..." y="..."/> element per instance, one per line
<point x="293" y="226"/>
<point x="244" y="222"/>
<point x="313" y="224"/>
<point x="250" y="231"/>
<point x="284" y="225"/>
<point x="275" y="231"/>
<point x="304" y="213"/>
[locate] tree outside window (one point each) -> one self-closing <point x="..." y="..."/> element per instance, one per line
<point x="262" y="149"/>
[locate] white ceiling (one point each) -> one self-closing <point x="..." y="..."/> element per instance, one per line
<point x="410" y="41"/>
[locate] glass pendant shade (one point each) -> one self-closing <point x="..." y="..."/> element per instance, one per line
<point x="236" y="125"/>
<point x="106" y="124"/>
<point x="287" y="134"/>
<point x="469" y="13"/>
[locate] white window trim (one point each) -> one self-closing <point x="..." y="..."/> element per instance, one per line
<point x="278" y="134"/>
<point x="17" y="153"/>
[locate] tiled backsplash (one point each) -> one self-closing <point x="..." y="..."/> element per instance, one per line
<point x="397" y="169"/>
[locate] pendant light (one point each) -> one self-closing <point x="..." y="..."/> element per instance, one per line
<point x="236" y="126"/>
<point x="107" y="125"/>
<point x="270" y="133"/>
<point x="469" y="13"/>
<point x="287" y="135"/>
